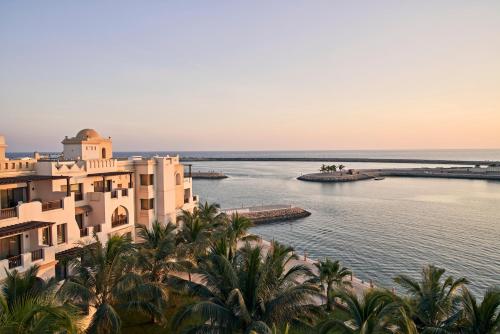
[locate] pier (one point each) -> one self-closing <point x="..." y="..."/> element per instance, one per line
<point x="208" y="175"/>
<point x="269" y="213"/>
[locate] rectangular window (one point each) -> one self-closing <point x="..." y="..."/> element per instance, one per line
<point x="61" y="233"/>
<point x="46" y="236"/>
<point x="147" y="204"/>
<point x="147" y="179"/>
<point x="83" y="230"/>
<point x="76" y="188"/>
<point x="97" y="228"/>
<point x="98" y="186"/>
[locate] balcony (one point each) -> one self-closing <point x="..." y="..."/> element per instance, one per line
<point x="8" y="213"/>
<point x="15" y="261"/>
<point x="119" y="221"/>
<point x="52" y="205"/>
<point x="84" y="232"/>
<point x="24" y="261"/>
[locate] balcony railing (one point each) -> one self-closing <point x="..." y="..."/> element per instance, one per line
<point x="15" y="261"/>
<point x="84" y="232"/>
<point x="37" y="255"/>
<point x="52" y="205"/>
<point x="8" y="213"/>
<point x="119" y="221"/>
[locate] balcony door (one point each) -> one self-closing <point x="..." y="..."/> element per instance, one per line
<point x="10" y="197"/>
<point x="10" y="247"/>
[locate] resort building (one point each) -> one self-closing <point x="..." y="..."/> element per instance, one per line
<point x="49" y="207"/>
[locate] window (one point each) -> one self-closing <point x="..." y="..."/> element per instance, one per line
<point x="178" y="179"/>
<point x="46" y="236"/>
<point x="119" y="217"/>
<point x="147" y="204"/>
<point x="76" y="188"/>
<point x="98" y="186"/>
<point x="83" y="230"/>
<point x="147" y="179"/>
<point x="61" y="233"/>
<point x="97" y="228"/>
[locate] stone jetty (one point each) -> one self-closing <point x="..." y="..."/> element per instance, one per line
<point x="270" y="213"/>
<point x="208" y="175"/>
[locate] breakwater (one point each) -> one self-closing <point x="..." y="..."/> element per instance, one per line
<point x="208" y="175"/>
<point x="473" y="173"/>
<point x="344" y="159"/>
<point x="269" y="213"/>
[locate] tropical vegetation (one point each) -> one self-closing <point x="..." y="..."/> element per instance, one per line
<point x="331" y="168"/>
<point x="208" y="274"/>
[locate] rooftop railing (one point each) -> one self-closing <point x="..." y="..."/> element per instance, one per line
<point x="52" y="205"/>
<point x="8" y="213"/>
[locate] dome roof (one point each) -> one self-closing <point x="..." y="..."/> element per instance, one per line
<point x="86" y="134"/>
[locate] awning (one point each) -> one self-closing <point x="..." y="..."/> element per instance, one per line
<point x="22" y="227"/>
<point x="30" y="178"/>
<point x="111" y="173"/>
<point x="69" y="253"/>
<point x="79" y="210"/>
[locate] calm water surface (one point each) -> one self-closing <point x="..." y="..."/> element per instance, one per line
<point x="378" y="228"/>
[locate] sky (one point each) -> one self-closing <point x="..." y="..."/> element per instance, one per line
<point x="251" y="75"/>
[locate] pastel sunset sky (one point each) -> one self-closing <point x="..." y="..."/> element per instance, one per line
<point x="253" y="75"/>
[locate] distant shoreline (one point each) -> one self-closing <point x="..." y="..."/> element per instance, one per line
<point x="344" y="159"/>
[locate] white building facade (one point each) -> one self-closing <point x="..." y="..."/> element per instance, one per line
<point x="50" y="207"/>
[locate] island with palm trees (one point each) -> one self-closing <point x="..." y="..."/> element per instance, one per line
<point x="334" y="173"/>
<point x="209" y="274"/>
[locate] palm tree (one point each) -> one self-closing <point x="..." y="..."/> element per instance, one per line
<point x="323" y="168"/>
<point x="28" y="304"/>
<point x="252" y="293"/>
<point x="434" y="300"/>
<point x="194" y="235"/>
<point x="332" y="168"/>
<point x="341" y="167"/>
<point x="368" y="314"/>
<point x="483" y="318"/>
<point x="105" y="282"/>
<point x="237" y="230"/>
<point x="210" y="213"/>
<point x="332" y="274"/>
<point x="157" y="251"/>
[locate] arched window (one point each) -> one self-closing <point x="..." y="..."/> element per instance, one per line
<point x="178" y="179"/>
<point x="103" y="153"/>
<point x="119" y="217"/>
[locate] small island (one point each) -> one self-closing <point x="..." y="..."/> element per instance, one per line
<point x="333" y="173"/>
